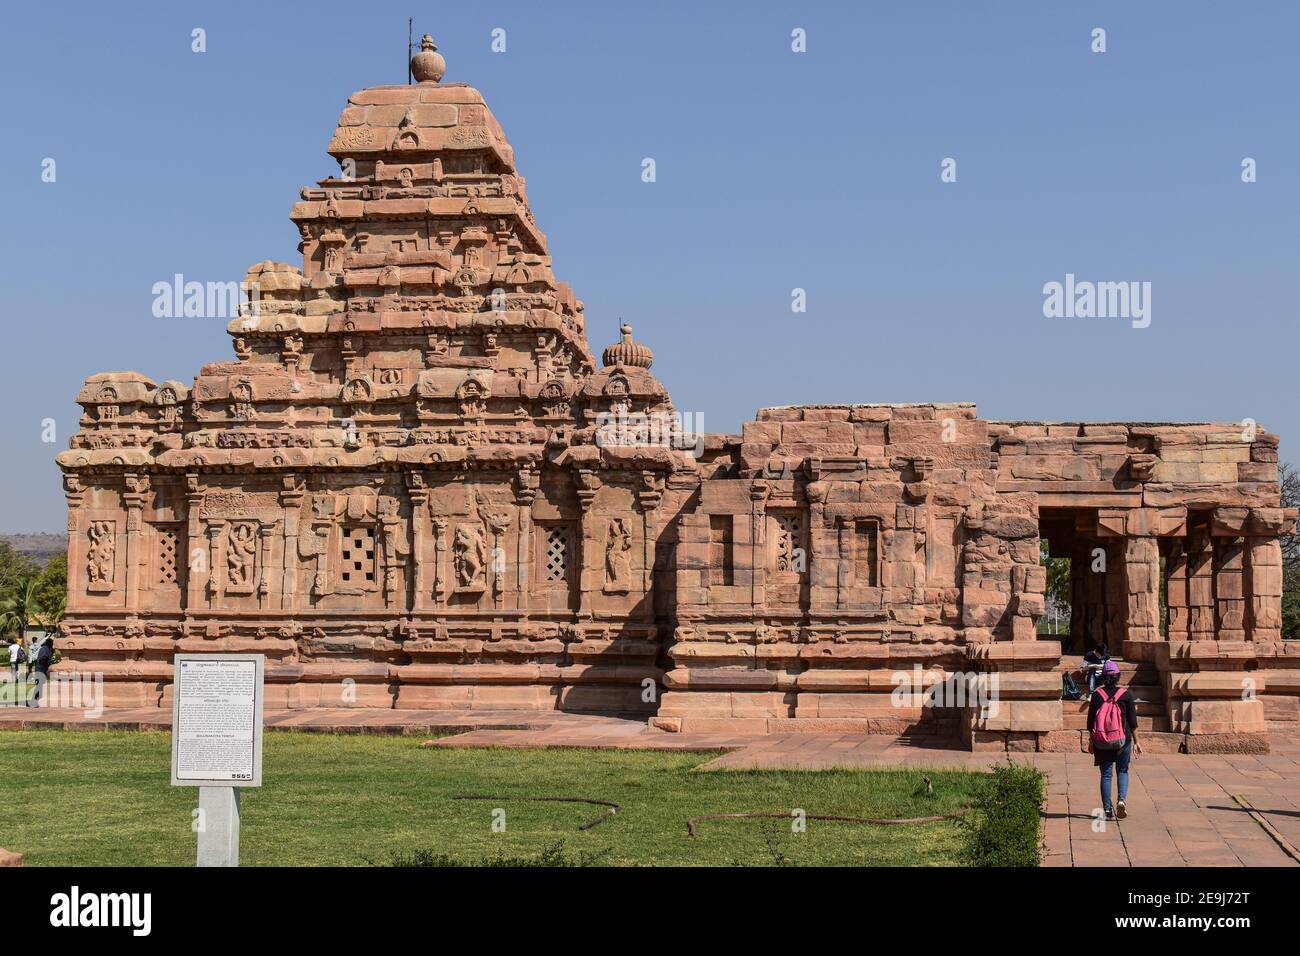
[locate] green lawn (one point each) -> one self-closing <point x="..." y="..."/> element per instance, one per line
<point x="84" y="798"/>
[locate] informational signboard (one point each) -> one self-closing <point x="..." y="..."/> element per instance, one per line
<point x="217" y="720"/>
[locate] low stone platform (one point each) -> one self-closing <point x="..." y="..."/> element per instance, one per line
<point x="1182" y="811"/>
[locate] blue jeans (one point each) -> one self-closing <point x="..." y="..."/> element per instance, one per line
<point x="1120" y="762"/>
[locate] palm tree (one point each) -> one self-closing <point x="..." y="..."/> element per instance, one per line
<point x="21" y="607"/>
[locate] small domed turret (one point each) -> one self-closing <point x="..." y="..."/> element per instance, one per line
<point x="628" y="351"/>
<point x="428" y="66"/>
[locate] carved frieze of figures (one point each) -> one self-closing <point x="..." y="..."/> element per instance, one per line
<point x="468" y="557"/>
<point x="618" y="565"/>
<point x="101" y="555"/>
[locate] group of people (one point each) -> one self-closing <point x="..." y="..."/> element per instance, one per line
<point x="1112" y="728"/>
<point x="38" y="656"/>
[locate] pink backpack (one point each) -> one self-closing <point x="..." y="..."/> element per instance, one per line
<point x="1108" y="731"/>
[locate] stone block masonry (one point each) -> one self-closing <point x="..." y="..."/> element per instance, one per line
<point x="404" y="490"/>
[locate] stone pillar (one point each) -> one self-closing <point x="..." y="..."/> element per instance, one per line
<point x="216" y="573"/>
<point x="195" y="578"/>
<point x="758" y="542"/>
<point x="527" y="483"/>
<point x="1080" y="580"/>
<point x="1200" y="585"/>
<point x="439" y="558"/>
<point x="1115" y="594"/>
<point x="75" y="494"/>
<point x="589" y="552"/>
<point x="291" y="495"/>
<point x="1264" y="587"/>
<point x="1142" y="590"/>
<point x="419" y="496"/>
<point x="1176" y="589"/>
<point x="265" y="532"/>
<point x="649" y="496"/>
<point x="1229" y="589"/>
<point x="133" y="498"/>
<point x="1098" y="590"/>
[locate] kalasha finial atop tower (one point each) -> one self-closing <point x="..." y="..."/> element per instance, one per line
<point x="428" y="66"/>
<point x="628" y="351"/>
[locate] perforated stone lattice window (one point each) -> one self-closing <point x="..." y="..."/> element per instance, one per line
<point x="168" y="545"/>
<point x="358" y="565"/>
<point x="789" y="543"/>
<point x="555" y="560"/>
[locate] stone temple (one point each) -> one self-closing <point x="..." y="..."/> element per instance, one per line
<point x="415" y="486"/>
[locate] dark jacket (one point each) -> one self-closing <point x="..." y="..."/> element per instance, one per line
<point x="45" y="657"/>
<point x="1128" y="715"/>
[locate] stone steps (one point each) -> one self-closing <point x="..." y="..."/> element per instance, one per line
<point x="1145" y="708"/>
<point x="1079" y="721"/>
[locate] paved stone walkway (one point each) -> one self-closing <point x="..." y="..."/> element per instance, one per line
<point x="1182" y="811"/>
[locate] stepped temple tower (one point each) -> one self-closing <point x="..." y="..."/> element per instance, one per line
<point x="415" y="486"/>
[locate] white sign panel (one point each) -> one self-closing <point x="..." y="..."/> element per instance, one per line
<point x="217" y="720"/>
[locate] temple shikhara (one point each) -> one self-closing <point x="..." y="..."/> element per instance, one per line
<point x="416" y="486"/>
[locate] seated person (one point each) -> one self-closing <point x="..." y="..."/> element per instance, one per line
<point x="1093" y="662"/>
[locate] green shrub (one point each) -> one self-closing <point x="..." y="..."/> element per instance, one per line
<point x="1002" y="827"/>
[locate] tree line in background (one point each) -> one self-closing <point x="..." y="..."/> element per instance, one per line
<point x="1290" y="478"/>
<point x="32" y="594"/>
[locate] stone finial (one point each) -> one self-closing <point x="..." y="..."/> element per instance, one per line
<point x="428" y="66"/>
<point x="628" y="351"/>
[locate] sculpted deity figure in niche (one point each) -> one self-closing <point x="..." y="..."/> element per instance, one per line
<point x="357" y="390"/>
<point x="618" y="549"/>
<point x="241" y="545"/>
<point x="99" y="560"/>
<point x="472" y="399"/>
<point x="468" y="556"/>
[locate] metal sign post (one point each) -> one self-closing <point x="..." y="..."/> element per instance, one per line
<point x="217" y="743"/>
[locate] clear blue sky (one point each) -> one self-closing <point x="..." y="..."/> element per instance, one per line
<point x="775" y="170"/>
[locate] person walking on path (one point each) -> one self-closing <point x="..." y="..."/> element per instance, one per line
<point x="1112" y="737"/>
<point x="15" y="658"/>
<point x="43" y="656"/>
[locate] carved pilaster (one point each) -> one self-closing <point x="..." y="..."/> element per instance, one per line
<point x="649" y="496"/>
<point x="439" y="558"/>
<point x="198" y="567"/>
<point x="527" y="483"/>
<point x="589" y="551"/>
<point x="418" y="493"/>
<point x="265" y="532"/>
<point x="75" y="495"/>
<point x="291" y="496"/>
<point x="758" y="492"/>
<point x="498" y="523"/>
<point x="133" y="497"/>
<point x="392" y="556"/>
<point x="216" y="561"/>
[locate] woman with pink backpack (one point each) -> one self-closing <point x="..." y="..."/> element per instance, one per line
<point x="1112" y="736"/>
